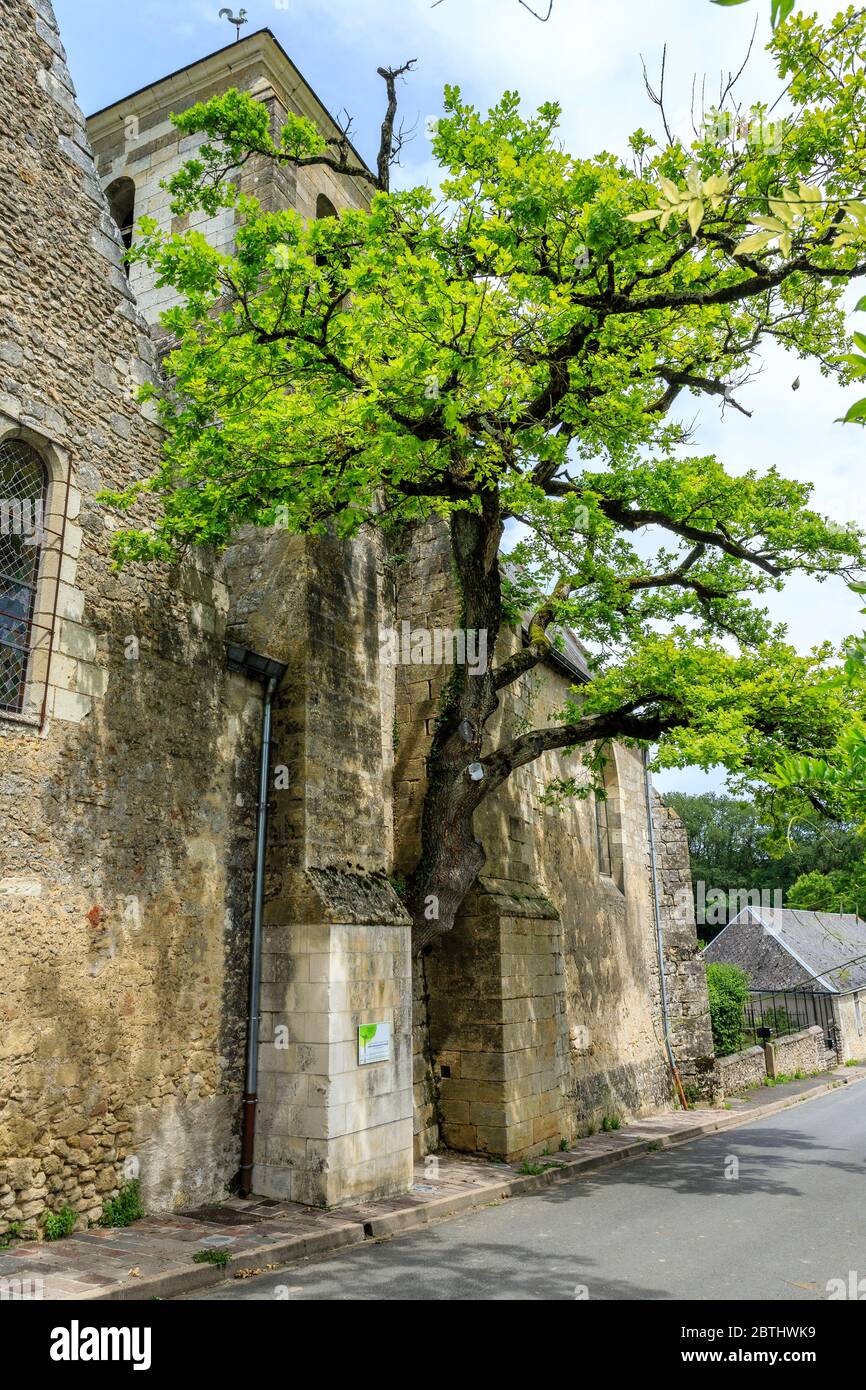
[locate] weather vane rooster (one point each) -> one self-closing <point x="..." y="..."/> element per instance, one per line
<point x="236" y="20"/>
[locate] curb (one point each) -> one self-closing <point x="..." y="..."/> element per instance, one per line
<point x="296" y="1248"/>
<point x="282" y="1252"/>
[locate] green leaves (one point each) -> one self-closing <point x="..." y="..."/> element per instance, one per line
<point x="728" y="991"/>
<point x="753" y="243"/>
<point x="691" y="202"/>
<point x="538" y="337"/>
<point x="779" y="9"/>
<point x="791" y="213"/>
<point x="833" y="784"/>
<point x="235" y="125"/>
<point x="838" y="890"/>
<point x="856" y="413"/>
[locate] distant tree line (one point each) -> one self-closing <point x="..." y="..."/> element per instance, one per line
<point x="735" y="847"/>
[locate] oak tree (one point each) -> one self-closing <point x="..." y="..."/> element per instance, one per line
<point x="519" y="354"/>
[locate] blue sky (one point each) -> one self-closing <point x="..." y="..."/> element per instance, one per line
<point x="588" y="58"/>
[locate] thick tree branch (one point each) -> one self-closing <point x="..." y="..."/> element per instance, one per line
<point x="723" y="294"/>
<point x="595" y="728"/>
<point x="539" y="645"/>
<point x="634" y="518"/>
<point x="679" y="578"/>
<point x="337" y="166"/>
<point x="545" y="407"/>
<point x="677" y="380"/>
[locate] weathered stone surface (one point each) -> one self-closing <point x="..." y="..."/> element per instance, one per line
<point x="124" y="883"/>
<point x="685" y="972"/>
<point x="597" y="978"/>
<point x="803" y="1051"/>
<point x="741" y="1069"/>
<point x="784" y="1056"/>
<point x="127" y="813"/>
<point x="515" y="1024"/>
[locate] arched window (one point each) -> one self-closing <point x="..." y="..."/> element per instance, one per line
<point x="602" y="837"/>
<point x="324" y="208"/>
<point x="608" y="827"/>
<point x="121" y="200"/>
<point x="23" y="496"/>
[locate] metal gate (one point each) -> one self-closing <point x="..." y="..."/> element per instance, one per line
<point x="789" y="1011"/>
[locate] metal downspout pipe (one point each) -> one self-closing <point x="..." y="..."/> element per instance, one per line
<point x="250" y="1098"/>
<point x="666" y="1020"/>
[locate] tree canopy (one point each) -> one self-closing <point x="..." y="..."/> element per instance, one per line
<point x="736" y="848"/>
<point x="517" y="354"/>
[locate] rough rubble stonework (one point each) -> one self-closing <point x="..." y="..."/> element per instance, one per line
<point x="336" y="945"/>
<point x="803" y="1054"/>
<point x="127" y="817"/>
<point x="125" y="869"/>
<point x="685" y="972"/>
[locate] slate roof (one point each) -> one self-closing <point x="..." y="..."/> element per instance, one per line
<point x="569" y="654"/>
<point x="822" y="945"/>
<point x="571" y="658"/>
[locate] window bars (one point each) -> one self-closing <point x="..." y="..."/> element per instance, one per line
<point x="26" y="628"/>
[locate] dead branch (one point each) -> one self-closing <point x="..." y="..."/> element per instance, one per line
<point x="543" y="17"/>
<point x="387" y="152"/>
<point x="658" y="98"/>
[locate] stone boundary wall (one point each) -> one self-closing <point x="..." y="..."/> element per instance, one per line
<point x="803" y="1051"/>
<point x="741" y="1069"/>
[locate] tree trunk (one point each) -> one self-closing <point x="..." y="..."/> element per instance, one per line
<point x="451" y="855"/>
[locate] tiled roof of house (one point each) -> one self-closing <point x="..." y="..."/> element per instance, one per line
<point x="829" y="947"/>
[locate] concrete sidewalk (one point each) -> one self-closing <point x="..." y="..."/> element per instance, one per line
<point x="153" y="1257"/>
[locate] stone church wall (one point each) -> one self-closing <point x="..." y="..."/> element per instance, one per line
<point x="127" y="813"/>
<point x="336" y="948"/>
<point x="124" y="856"/>
<point x="686" y="972"/>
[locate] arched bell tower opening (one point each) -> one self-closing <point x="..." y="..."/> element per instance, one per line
<point x="121" y="201"/>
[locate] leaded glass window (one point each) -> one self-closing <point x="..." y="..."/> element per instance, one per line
<point x="23" y="491"/>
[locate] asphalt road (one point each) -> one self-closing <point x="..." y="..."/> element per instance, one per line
<point x="778" y="1224"/>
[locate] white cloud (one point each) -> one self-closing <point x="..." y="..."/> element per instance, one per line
<point x="587" y="56"/>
